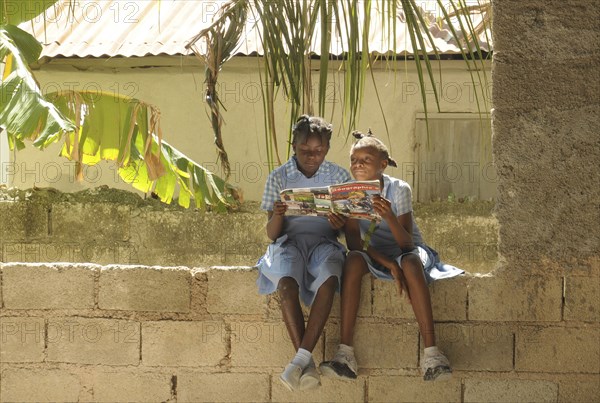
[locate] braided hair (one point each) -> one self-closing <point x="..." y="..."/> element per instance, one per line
<point x="307" y="126"/>
<point x="368" y="140"/>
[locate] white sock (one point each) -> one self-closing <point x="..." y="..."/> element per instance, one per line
<point x="429" y="351"/>
<point x="346" y="349"/>
<point x="302" y="358"/>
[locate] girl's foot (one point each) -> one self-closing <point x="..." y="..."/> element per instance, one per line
<point x="435" y="365"/>
<point x="343" y="365"/>
<point x="290" y="377"/>
<point x="310" y="378"/>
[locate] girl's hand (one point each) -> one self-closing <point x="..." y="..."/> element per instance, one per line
<point x="279" y="208"/>
<point x="383" y="207"/>
<point x="337" y="221"/>
<point x="399" y="279"/>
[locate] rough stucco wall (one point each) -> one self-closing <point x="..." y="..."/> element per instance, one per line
<point x="546" y="129"/>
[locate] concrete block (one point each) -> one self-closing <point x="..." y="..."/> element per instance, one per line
<point x="581" y="389"/>
<point x="183" y="343"/>
<point x="476" y="347"/>
<point x="71" y="221"/>
<point x="571" y="82"/>
<point x="48" y="286"/>
<point x="93" y="341"/>
<point x="509" y="390"/>
<point x="39" y="385"/>
<point x="582" y="299"/>
<point x="210" y="239"/>
<point x="448" y="300"/>
<point x="331" y="390"/>
<point x="412" y="389"/>
<point x="226" y="387"/>
<point x="365" y="306"/>
<point x="379" y="345"/>
<point x="558" y="32"/>
<point x="263" y="344"/>
<point x="558" y="349"/>
<point x="234" y="291"/>
<point x="21" y="220"/>
<point x="523" y="298"/>
<point x="21" y="339"/>
<point x="131" y="386"/>
<point x="156" y="289"/>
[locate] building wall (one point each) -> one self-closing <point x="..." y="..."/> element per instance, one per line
<point x="176" y="87"/>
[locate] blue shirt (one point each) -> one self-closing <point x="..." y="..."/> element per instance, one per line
<point x="399" y="194"/>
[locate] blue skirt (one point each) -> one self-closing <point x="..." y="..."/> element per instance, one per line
<point x="308" y="259"/>
<point x="432" y="266"/>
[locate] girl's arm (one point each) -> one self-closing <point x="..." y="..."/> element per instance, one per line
<point x="401" y="226"/>
<point x="276" y="218"/>
<point x="354" y="242"/>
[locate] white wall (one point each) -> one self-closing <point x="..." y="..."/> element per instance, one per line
<point x="175" y="86"/>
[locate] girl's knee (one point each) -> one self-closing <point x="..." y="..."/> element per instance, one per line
<point x="287" y="287"/>
<point x="411" y="264"/>
<point x="331" y="283"/>
<point x="355" y="264"/>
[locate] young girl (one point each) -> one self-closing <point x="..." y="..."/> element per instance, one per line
<point x="305" y="260"/>
<point x="395" y="252"/>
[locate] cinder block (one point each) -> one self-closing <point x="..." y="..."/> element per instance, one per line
<point x="39" y="385"/>
<point x="70" y="221"/>
<point x="379" y="345"/>
<point x="20" y="221"/>
<point x="229" y="387"/>
<point x="131" y="386"/>
<point x="21" y="339"/>
<point x="234" y="291"/>
<point x="412" y="389"/>
<point x="519" y="298"/>
<point x="448" y="300"/>
<point x="184" y="344"/>
<point x="509" y="391"/>
<point x="558" y="349"/>
<point x="48" y="286"/>
<point x="331" y="390"/>
<point x="582" y="299"/>
<point x="365" y="307"/>
<point x="145" y="289"/>
<point x="476" y="347"/>
<point x="581" y="389"/>
<point x="573" y="81"/>
<point x="93" y="341"/>
<point x="545" y="33"/>
<point x="263" y="344"/>
<point x="210" y="239"/>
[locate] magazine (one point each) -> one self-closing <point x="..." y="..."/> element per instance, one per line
<point x="350" y="199"/>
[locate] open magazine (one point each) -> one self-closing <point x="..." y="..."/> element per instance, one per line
<point x="351" y="199"/>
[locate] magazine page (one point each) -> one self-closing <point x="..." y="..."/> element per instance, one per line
<point x="355" y="199"/>
<point x="307" y="201"/>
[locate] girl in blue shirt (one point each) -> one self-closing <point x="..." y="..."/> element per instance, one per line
<point x="395" y="252"/>
<point x="305" y="259"/>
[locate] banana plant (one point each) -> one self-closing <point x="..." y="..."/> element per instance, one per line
<point x="85" y="124"/>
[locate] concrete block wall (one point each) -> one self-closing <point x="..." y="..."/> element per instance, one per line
<point x="85" y="332"/>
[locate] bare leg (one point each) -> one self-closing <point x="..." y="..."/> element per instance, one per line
<point x="291" y="310"/>
<point x="319" y="312"/>
<point x="419" y="296"/>
<point x="355" y="268"/>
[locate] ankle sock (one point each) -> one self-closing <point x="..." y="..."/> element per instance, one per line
<point x="303" y="358"/>
<point x="430" y="351"/>
<point x="346" y="349"/>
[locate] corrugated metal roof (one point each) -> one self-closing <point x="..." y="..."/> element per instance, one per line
<point x="149" y="27"/>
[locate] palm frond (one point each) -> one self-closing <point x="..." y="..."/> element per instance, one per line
<point x="217" y="44"/>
